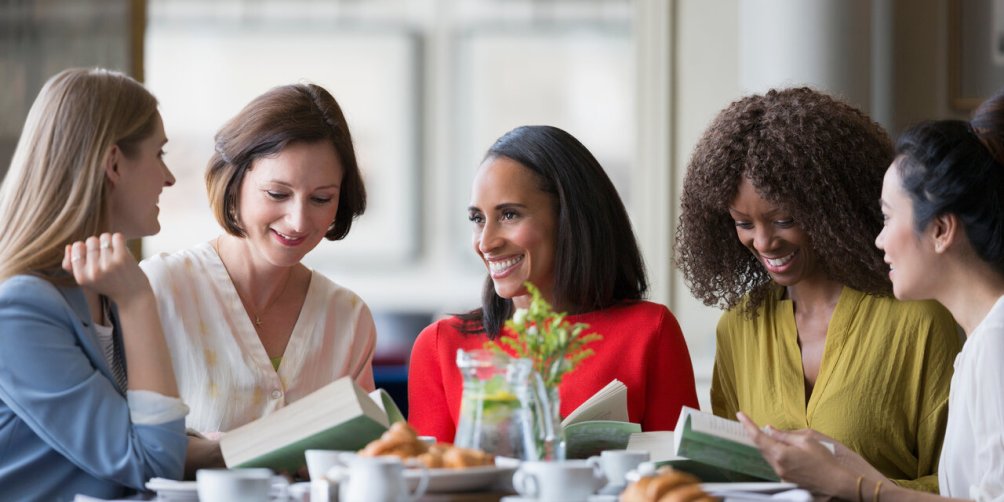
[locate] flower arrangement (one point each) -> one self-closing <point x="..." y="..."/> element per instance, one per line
<point x="554" y="345"/>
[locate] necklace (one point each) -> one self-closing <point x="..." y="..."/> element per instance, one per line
<point x="264" y="310"/>
<point x="257" y="316"/>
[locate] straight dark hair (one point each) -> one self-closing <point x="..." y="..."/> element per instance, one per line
<point x="957" y="167"/>
<point x="597" y="261"/>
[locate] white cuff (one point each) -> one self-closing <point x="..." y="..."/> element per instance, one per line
<point x="152" y="408"/>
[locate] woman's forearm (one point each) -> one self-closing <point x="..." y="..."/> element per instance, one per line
<point x="889" y="492"/>
<point x="202" y="454"/>
<point x="149" y="361"/>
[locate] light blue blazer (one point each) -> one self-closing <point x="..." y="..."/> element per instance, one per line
<point x="64" y="423"/>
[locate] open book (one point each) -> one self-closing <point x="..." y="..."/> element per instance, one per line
<point x="338" y="416"/>
<point x="710" y="447"/>
<point x="600" y="423"/>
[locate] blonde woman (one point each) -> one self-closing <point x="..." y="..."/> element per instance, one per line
<point x="74" y="304"/>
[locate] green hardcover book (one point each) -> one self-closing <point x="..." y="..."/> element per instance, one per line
<point x="390" y="408"/>
<point x="600" y="423"/>
<point x="338" y="416"/>
<point x="719" y="442"/>
<point x="585" y="439"/>
<point x="661" y="450"/>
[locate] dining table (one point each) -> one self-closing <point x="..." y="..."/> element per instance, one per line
<point x="482" y="496"/>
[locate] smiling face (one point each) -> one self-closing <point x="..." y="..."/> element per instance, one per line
<point x="289" y="200"/>
<point x="134" y="195"/>
<point x="514" y="228"/>
<point x="910" y="264"/>
<point x="774" y="237"/>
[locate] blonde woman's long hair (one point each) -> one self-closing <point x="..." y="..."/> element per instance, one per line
<point x="55" y="190"/>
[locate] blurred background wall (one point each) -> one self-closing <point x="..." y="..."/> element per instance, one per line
<point x="427" y="85"/>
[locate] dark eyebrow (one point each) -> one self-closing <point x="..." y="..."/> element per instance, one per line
<point x="283" y="183"/>
<point x="507" y="205"/>
<point x="499" y="207"/>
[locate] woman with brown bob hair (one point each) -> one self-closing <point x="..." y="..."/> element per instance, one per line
<point x="778" y="216"/>
<point x="251" y="328"/>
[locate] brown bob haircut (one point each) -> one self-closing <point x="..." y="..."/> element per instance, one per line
<point x="287" y="114"/>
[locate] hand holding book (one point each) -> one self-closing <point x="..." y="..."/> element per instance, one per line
<point x="812" y="460"/>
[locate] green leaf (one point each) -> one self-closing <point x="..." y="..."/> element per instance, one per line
<point x="554" y="346"/>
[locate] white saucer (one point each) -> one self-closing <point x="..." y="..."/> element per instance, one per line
<point x="592" y="498"/>
<point x="612" y="489"/>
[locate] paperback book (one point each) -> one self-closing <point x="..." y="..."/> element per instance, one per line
<point x="600" y="423"/>
<point x="338" y="416"/>
<point x="710" y="447"/>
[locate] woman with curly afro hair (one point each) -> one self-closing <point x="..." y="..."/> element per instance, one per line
<point x="779" y="212"/>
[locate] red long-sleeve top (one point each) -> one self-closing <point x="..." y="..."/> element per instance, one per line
<point x="642" y="346"/>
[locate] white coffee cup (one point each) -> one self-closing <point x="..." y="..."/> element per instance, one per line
<point x="300" y="492"/>
<point x="564" y="481"/>
<point x="319" y="462"/>
<point x="377" y="479"/>
<point x="248" y="485"/>
<point x="617" y="463"/>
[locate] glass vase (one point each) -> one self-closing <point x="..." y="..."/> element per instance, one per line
<point x="547" y="424"/>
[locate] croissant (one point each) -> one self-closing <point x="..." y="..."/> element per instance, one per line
<point x="666" y="485"/>
<point x="401" y="441"/>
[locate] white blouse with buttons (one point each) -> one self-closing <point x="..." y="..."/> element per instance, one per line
<point x="224" y="374"/>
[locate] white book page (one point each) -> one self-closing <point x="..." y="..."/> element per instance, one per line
<point x="609" y="403"/>
<point x="377" y="398"/>
<point x="658" y="444"/>
<point x="714" y="425"/>
<point x="383" y="401"/>
<point x="710" y="424"/>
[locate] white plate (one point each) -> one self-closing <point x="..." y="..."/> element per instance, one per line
<point x="592" y="498"/>
<point x="751" y="487"/>
<point x="459" y="480"/>
<point x="187" y="491"/>
<point x="602" y="498"/>
<point x="171" y="490"/>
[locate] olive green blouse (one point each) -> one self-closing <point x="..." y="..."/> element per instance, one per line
<point x="882" y="388"/>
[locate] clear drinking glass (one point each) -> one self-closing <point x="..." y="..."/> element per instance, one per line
<point x="502" y="409"/>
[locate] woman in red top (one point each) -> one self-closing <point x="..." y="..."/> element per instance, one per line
<point x="542" y="210"/>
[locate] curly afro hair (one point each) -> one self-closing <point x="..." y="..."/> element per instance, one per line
<point x="818" y="158"/>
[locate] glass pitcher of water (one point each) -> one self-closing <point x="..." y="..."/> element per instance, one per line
<point x="505" y="409"/>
